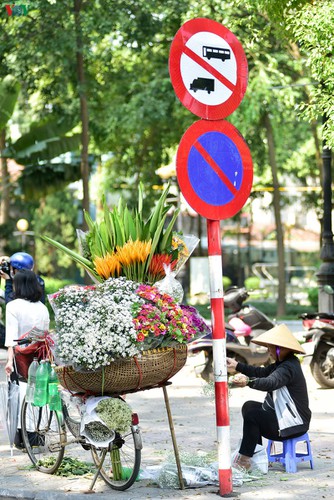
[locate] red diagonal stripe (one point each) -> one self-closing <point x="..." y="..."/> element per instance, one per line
<point x="208" y="68"/>
<point x="215" y="167"/>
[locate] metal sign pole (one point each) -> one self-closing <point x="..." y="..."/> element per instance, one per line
<point x="219" y="356"/>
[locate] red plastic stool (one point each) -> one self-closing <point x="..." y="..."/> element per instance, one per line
<point x="289" y="458"/>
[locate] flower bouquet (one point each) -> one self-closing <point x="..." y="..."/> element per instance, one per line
<point x="123" y="332"/>
<point x="119" y="336"/>
<point x="118" y="318"/>
<point x="124" y="243"/>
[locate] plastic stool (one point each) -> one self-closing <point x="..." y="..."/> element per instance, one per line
<point x="289" y="458"/>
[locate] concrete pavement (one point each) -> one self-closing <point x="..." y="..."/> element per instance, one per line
<point x="193" y="410"/>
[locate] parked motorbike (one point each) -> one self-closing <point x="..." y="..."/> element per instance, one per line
<point x="252" y="355"/>
<point x="247" y="321"/>
<point x="319" y="343"/>
<point x="244" y="323"/>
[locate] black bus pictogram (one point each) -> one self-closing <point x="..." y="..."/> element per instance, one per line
<point x="216" y="53"/>
<point x="207" y="84"/>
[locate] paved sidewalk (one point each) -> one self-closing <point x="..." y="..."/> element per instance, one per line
<point x="193" y="413"/>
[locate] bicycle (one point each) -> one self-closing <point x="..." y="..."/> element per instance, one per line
<point x="44" y="433"/>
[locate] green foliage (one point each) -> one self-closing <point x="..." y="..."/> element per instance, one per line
<point x="57" y="218"/>
<point x="227" y="282"/>
<point x="313" y="28"/>
<point x="9" y="91"/>
<point x="52" y="285"/>
<point x="252" y="283"/>
<point x="313" y="297"/>
<point x="69" y="466"/>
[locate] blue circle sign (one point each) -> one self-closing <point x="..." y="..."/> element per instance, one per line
<point x="214" y="169"/>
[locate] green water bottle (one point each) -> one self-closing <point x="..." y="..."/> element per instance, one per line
<point x="41" y="385"/>
<point x="54" y="396"/>
<point x="31" y="380"/>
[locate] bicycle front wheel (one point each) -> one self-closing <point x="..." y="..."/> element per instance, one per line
<point x="44" y="436"/>
<point x="120" y="467"/>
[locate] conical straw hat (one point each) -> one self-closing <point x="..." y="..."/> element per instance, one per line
<point x="279" y="336"/>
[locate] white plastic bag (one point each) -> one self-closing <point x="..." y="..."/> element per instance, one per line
<point x="259" y="460"/>
<point x="92" y="425"/>
<point x="170" y="285"/>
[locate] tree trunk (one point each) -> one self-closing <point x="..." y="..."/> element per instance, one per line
<point x="83" y="106"/>
<point x="4" y="195"/>
<point x="281" y="303"/>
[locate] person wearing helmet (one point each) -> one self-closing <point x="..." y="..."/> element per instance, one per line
<point x="285" y="412"/>
<point x="18" y="261"/>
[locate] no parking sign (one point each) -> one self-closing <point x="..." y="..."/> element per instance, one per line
<point x="214" y="169"/>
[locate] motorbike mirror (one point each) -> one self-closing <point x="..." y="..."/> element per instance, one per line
<point x="328" y="289"/>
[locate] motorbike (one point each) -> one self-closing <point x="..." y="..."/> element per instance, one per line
<point x="243" y="324"/>
<point x="247" y="321"/>
<point x="319" y="343"/>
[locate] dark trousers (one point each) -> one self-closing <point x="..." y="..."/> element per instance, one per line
<point x="258" y="423"/>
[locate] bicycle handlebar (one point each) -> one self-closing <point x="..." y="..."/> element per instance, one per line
<point x="26" y="340"/>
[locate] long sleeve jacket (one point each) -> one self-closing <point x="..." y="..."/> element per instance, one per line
<point x="287" y="373"/>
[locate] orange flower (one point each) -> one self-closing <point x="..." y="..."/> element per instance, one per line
<point x="107" y="266"/>
<point x="133" y="252"/>
<point x="156" y="268"/>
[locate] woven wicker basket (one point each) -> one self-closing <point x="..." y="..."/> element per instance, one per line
<point x="150" y="369"/>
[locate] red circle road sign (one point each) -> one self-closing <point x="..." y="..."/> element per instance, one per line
<point x="214" y="169"/>
<point x="208" y="68"/>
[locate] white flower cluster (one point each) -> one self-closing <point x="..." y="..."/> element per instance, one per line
<point x="115" y="413"/>
<point x="94" y="325"/>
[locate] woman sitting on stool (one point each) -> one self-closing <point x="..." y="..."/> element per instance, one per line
<point x="285" y="412"/>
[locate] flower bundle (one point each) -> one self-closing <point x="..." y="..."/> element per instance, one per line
<point x="94" y="324"/>
<point x="116" y="319"/>
<point x="160" y="321"/>
<point x="124" y="243"/>
<point x="115" y="413"/>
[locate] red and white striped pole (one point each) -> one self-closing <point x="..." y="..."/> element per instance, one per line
<point x="219" y="356"/>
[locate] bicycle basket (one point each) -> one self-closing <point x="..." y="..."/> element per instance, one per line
<point x="152" y="368"/>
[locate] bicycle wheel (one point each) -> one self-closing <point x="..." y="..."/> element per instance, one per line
<point x="121" y="465"/>
<point x="44" y="436"/>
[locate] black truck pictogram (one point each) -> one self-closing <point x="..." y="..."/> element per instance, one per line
<point x="207" y="84"/>
<point x="216" y="53"/>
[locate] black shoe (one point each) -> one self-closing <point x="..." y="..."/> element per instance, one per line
<point x="18" y="441"/>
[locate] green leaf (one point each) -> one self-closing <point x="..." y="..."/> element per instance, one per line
<point x="158" y="212"/>
<point x="119" y="231"/>
<point x="85" y="263"/>
<point x="168" y="233"/>
<point x="155" y="241"/>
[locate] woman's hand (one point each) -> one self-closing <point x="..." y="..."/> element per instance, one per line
<point x="10" y="362"/>
<point x="9" y="368"/>
<point x="231" y="363"/>
<point x="239" y="380"/>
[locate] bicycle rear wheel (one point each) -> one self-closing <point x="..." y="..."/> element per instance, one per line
<point x="121" y="465"/>
<point x="44" y="436"/>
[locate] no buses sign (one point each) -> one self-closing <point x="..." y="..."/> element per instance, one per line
<point x="208" y="69"/>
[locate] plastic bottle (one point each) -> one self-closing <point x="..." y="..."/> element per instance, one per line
<point x="31" y="380"/>
<point x="41" y="386"/>
<point x="54" y="396"/>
